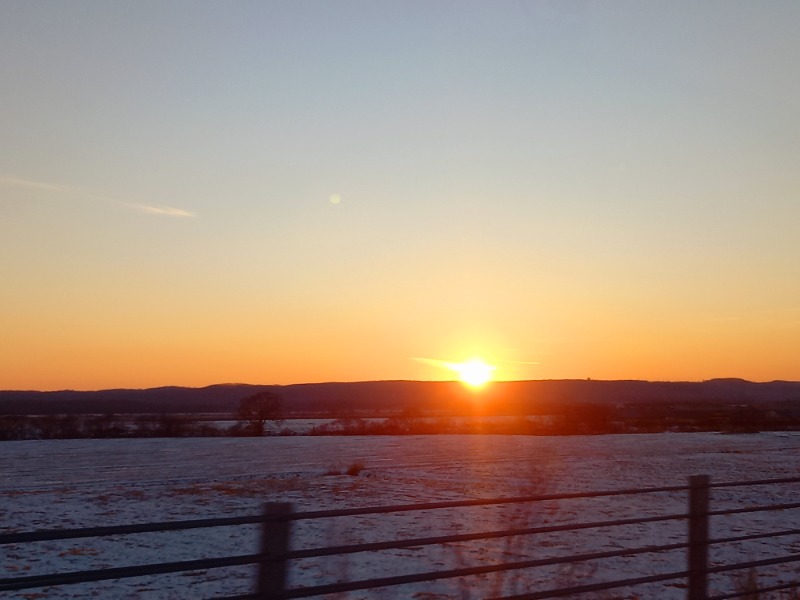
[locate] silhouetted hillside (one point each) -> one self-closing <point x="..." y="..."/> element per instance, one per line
<point x="404" y="397"/>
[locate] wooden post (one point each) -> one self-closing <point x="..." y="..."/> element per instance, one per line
<point x="698" y="537"/>
<point x="272" y="566"/>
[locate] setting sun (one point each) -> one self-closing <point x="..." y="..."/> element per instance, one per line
<point x="474" y="372"/>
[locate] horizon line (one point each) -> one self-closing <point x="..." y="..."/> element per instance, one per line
<point x="450" y="381"/>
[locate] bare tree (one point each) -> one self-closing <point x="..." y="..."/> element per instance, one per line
<point x="256" y="410"/>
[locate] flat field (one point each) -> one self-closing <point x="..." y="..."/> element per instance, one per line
<point x="75" y="483"/>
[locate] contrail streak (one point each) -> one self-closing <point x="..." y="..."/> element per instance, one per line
<point x="160" y="210"/>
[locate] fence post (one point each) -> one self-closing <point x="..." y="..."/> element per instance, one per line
<point x="698" y="537"/>
<point x="274" y="546"/>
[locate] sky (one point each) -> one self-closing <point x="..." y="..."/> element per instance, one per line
<point x="280" y="192"/>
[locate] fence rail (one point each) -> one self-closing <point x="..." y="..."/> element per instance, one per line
<point x="275" y="556"/>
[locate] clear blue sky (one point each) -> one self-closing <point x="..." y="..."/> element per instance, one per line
<point x="276" y="192"/>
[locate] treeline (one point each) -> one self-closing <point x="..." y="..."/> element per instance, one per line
<point x="520" y="425"/>
<point x="55" y="427"/>
<point x="576" y="419"/>
<point x="583" y="419"/>
<point x="256" y="416"/>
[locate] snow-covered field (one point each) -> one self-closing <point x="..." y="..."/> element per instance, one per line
<point x="75" y="483"/>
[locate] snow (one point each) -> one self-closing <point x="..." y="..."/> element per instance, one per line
<point x="76" y="483"/>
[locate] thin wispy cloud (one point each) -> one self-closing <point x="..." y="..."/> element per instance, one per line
<point x="786" y="315"/>
<point x="434" y="362"/>
<point x="66" y="190"/>
<point x="36" y="185"/>
<point x="167" y="211"/>
<point x="441" y="364"/>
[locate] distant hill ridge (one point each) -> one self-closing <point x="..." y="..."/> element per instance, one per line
<point x="409" y="397"/>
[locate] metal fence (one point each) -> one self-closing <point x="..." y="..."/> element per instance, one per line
<point x="275" y="556"/>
